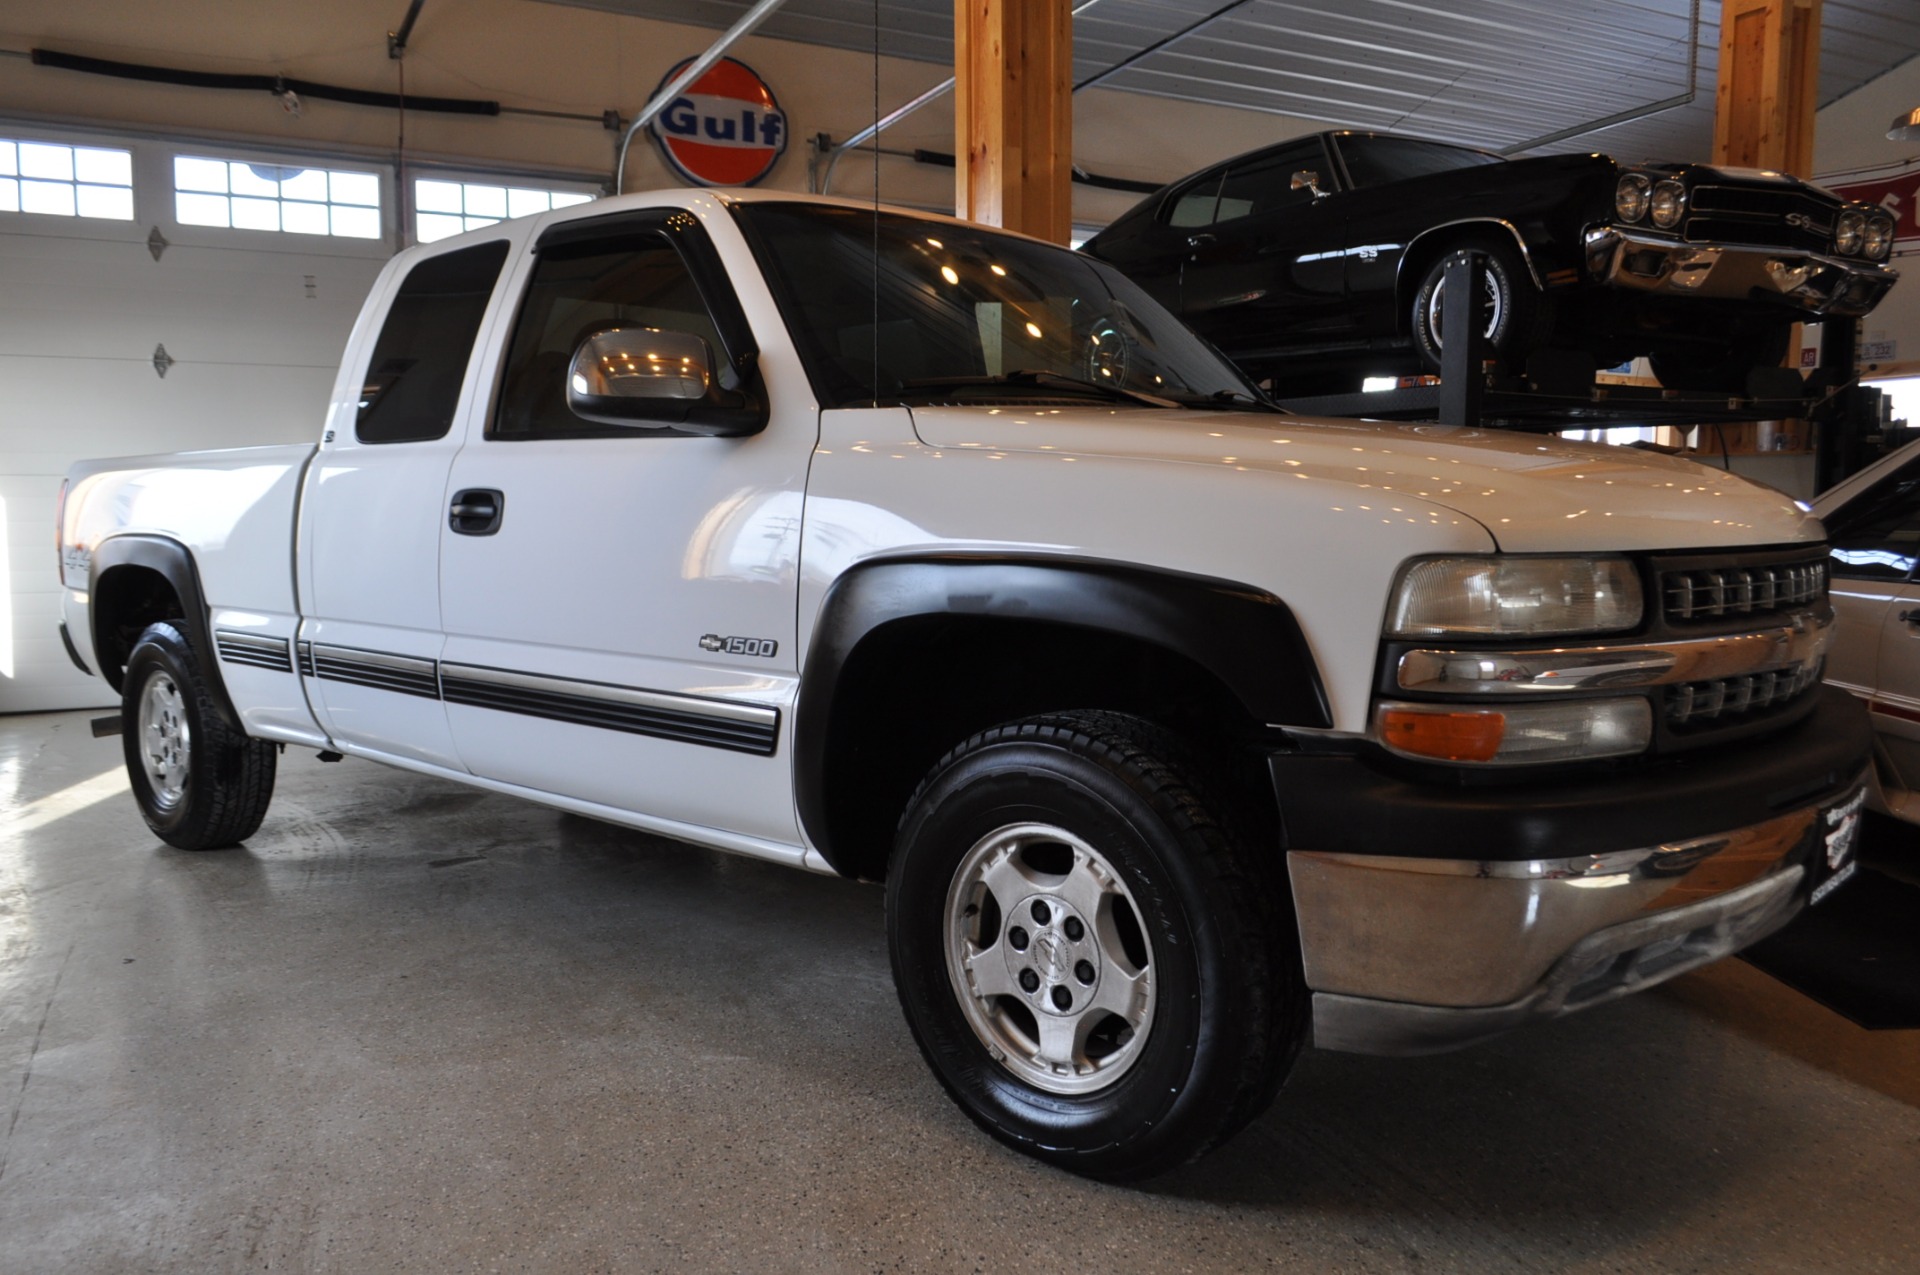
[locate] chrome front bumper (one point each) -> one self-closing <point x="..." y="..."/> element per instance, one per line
<point x="1814" y="283"/>
<point x="1409" y="955"/>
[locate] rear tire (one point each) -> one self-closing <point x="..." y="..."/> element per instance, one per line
<point x="1095" y="967"/>
<point x="199" y="783"/>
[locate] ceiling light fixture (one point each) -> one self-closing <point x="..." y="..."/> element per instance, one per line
<point x="1905" y="128"/>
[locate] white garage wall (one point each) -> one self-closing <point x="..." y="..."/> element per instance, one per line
<point x="553" y="58"/>
<point x="255" y="320"/>
<point x="1850" y="139"/>
<point x="85" y="303"/>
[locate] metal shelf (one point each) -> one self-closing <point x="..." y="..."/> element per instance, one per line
<point x="1465" y="396"/>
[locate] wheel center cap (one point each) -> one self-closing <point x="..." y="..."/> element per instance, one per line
<point x="1050" y="957"/>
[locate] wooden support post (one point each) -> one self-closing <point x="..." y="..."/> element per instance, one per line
<point x="1013" y="115"/>
<point x="1769" y="83"/>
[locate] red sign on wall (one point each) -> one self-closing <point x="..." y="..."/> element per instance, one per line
<point x="724" y="129"/>
<point x="1896" y="191"/>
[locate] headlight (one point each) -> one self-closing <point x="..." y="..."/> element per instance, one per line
<point x="1527" y="733"/>
<point x="1515" y="597"/>
<point x="1848" y="234"/>
<point x="1630" y="197"/>
<point x="1878" y="240"/>
<point x="1669" y="204"/>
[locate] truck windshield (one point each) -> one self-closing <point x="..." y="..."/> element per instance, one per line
<point x="889" y="308"/>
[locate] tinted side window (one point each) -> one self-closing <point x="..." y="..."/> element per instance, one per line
<point x="1877" y="537"/>
<point x="414" y="376"/>
<point x="579" y="289"/>
<point x="1374" y="161"/>
<point x="1262" y="186"/>
<point x="1194" y="206"/>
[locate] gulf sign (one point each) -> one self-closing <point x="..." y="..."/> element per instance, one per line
<point x="724" y="129"/>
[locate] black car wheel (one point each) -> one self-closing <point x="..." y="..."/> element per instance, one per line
<point x="1513" y="305"/>
<point x="1720" y="367"/>
<point x="200" y="784"/>
<point x="1096" y="968"/>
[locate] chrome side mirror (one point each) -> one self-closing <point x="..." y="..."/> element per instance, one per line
<point x="1307" y="179"/>
<point x="638" y="376"/>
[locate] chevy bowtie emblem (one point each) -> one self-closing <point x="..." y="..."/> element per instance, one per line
<point x="711" y="642"/>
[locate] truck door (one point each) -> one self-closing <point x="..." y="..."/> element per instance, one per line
<point x="369" y="553"/>
<point x="621" y="630"/>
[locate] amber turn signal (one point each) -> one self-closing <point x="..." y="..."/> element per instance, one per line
<point x="1443" y="736"/>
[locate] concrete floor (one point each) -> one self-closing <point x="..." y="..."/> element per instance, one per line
<point x="414" y="1027"/>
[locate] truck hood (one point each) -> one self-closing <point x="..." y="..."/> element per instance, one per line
<point x="1532" y="494"/>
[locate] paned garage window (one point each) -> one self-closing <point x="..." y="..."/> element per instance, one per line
<point x="443" y="208"/>
<point x="276" y="197"/>
<point x="66" y="181"/>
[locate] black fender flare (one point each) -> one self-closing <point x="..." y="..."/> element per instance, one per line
<point x="1244" y="636"/>
<point x="173" y="562"/>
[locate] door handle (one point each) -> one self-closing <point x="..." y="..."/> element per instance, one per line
<point x="1201" y="240"/>
<point x="1910" y="617"/>
<point x="477" y="511"/>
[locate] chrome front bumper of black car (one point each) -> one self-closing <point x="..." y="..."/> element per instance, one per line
<point x="1813" y="283"/>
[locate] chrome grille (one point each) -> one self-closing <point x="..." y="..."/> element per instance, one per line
<point x="1783" y="217"/>
<point x="1714" y="593"/>
<point x="1692" y="702"/>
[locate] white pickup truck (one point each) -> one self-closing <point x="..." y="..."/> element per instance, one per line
<point x="1181" y="730"/>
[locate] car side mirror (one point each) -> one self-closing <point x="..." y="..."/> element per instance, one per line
<point x="1307" y="179"/>
<point x="626" y="376"/>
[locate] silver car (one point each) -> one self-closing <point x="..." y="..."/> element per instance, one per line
<point x="1873" y="523"/>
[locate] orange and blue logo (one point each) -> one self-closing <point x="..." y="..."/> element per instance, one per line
<point x="724" y="129"/>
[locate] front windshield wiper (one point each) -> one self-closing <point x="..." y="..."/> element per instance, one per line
<point x="1229" y="401"/>
<point x="1033" y="377"/>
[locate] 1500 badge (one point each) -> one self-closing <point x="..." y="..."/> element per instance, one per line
<point x="765" y="648"/>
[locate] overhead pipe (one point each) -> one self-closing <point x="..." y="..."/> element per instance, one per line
<point x="1635" y="113"/>
<point x="831" y="158"/>
<point x="700" y="66"/>
<point x="397" y="40"/>
<point x="825" y="163"/>
<point x="279" y="85"/>
<point x="1158" y="45"/>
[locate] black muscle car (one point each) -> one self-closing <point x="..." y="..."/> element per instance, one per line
<point x="1320" y="259"/>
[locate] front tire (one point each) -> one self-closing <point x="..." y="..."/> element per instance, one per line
<point x="1096" y="969"/>
<point x="199" y="783"/>
<point x="1515" y="309"/>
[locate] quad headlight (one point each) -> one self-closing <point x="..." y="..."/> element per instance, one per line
<point x="1497" y="596"/>
<point x="1631" y="196"/>
<point x="1668" y="203"/>
<point x="1849" y="233"/>
<point x="1877" y="240"/>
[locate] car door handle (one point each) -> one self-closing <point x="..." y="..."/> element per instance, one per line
<point x="1910" y="617"/>
<point x="1201" y="240"/>
<point x="477" y="511"/>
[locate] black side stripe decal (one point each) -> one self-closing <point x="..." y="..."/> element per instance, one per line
<point x="660" y="723"/>
<point x="253" y="650"/>
<point x="382" y="673"/>
<point x="688" y="719"/>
